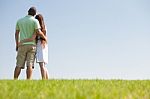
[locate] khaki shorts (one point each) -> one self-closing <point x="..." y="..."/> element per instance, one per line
<point x="26" y="54"/>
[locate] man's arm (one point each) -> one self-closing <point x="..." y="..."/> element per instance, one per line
<point x="28" y="39"/>
<point x="37" y="32"/>
<point x="17" y="39"/>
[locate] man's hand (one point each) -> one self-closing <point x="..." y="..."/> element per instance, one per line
<point x="16" y="47"/>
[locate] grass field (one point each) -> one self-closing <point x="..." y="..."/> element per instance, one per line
<point x="74" y="89"/>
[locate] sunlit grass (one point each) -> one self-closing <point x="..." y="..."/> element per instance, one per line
<point x="74" y="89"/>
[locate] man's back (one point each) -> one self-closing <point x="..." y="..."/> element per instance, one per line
<point x="27" y="26"/>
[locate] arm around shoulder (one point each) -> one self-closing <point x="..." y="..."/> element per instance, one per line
<point x="40" y="33"/>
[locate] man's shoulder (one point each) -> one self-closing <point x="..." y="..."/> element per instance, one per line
<point x="34" y="19"/>
<point x="22" y="18"/>
<point x="27" y="18"/>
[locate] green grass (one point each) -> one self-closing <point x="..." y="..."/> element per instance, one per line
<point x="74" y="89"/>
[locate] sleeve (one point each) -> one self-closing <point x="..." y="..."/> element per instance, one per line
<point x="37" y="24"/>
<point x="17" y="25"/>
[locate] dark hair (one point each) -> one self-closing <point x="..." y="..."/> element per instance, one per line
<point x="32" y="11"/>
<point x="39" y="17"/>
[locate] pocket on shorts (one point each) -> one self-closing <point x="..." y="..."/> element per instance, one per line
<point x="33" y="48"/>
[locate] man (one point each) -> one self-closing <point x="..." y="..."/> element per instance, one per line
<point x="25" y="28"/>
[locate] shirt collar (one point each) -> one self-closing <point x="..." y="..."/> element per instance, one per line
<point x="29" y="16"/>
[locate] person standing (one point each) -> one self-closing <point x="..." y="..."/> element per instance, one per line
<point x="25" y="28"/>
<point x="42" y="47"/>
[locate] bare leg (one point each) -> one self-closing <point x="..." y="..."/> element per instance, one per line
<point x="29" y="72"/>
<point x="17" y="72"/>
<point x="46" y="73"/>
<point x="43" y="72"/>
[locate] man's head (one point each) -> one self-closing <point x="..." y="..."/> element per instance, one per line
<point x="32" y="11"/>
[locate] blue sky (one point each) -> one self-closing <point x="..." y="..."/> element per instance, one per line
<point x="93" y="39"/>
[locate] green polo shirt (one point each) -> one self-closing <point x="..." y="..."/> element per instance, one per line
<point x="27" y="27"/>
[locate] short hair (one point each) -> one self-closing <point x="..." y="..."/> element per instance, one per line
<point x="32" y="11"/>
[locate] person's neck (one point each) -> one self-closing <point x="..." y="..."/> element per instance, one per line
<point x="30" y="15"/>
